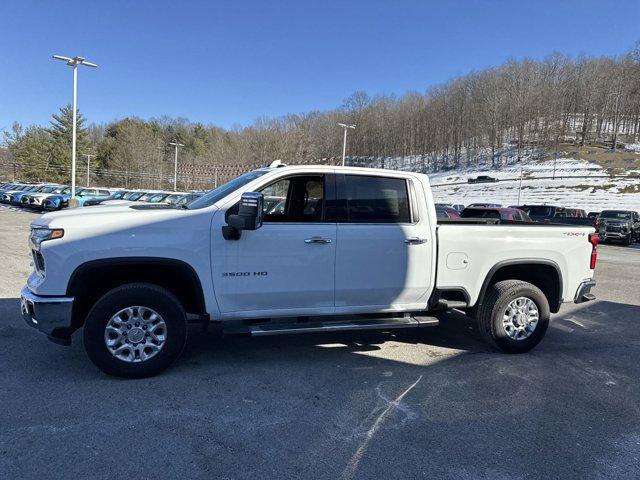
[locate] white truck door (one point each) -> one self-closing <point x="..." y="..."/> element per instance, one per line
<point x="384" y="253"/>
<point x="287" y="266"/>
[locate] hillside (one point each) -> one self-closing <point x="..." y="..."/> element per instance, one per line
<point x="594" y="184"/>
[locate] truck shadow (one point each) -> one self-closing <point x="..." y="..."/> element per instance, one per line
<point x="438" y="399"/>
<point x="456" y="331"/>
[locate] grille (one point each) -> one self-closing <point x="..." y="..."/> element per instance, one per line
<point x="614" y="228"/>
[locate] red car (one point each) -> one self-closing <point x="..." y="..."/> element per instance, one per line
<point x="503" y="213"/>
<point x="446" y="212"/>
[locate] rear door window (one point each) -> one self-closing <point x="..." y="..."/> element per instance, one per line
<point x="373" y="199"/>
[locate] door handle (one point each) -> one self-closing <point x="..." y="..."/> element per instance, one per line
<point x="415" y="241"/>
<point x="317" y="240"/>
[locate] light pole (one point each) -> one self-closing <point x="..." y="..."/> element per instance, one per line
<point x="555" y="158"/>
<point x="88" y="162"/>
<point x="344" y="143"/>
<point x="520" y="186"/>
<point x="175" y="171"/>
<point x="74" y="62"/>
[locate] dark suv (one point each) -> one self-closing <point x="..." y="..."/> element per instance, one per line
<point x="554" y="214"/>
<point x="620" y="226"/>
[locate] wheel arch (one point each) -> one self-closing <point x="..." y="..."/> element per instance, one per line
<point x="91" y="280"/>
<point x="543" y="273"/>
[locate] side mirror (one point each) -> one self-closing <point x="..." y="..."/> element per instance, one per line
<point x="249" y="216"/>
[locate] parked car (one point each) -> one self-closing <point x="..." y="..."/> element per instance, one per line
<point x="117" y="195"/>
<point x="446" y="212"/>
<point x="188" y="198"/>
<point x="89" y="193"/>
<point x="132" y="277"/>
<point x="484" y="205"/>
<point x="572" y="213"/>
<point x="9" y="188"/>
<point x="6" y="187"/>
<point x="127" y="198"/>
<point x="138" y="196"/>
<point x="58" y="201"/>
<point x="619" y="226"/>
<point x="482" y="179"/>
<point x="13" y="196"/>
<point x="35" y="199"/>
<point x="593" y="215"/>
<point x="555" y="214"/>
<point x="503" y="213"/>
<point x="172" y="198"/>
<point x="457" y="206"/>
<point x="157" y="197"/>
<point x="63" y="200"/>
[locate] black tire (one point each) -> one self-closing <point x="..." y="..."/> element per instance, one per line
<point x="492" y="310"/>
<point x="135" y="294"/>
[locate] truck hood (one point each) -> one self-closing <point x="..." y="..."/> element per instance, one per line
<point x="117" y="216"/>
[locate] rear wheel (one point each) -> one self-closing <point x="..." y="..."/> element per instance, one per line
<point x="136" y="330"/>
<point x="514" y="316"/>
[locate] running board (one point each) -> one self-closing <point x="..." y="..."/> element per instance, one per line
<point x="344" y="325"/>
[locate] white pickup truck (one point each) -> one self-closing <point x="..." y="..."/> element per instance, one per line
<point x="294" y="249"/>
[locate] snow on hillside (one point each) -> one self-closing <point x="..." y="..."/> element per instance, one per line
<point x="577" y="184"/>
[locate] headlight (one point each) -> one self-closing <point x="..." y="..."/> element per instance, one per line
<point x="40" y="234"/>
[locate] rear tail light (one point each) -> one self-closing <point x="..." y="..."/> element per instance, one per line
<point x="593" y="240"/>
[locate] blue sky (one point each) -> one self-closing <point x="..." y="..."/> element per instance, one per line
<point x="228" y="62"/>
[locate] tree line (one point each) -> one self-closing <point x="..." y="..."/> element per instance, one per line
<point x="520" y="103"/>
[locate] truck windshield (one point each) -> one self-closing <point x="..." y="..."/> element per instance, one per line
<point x="222" y="191"/>
<point x="616" y="214"/>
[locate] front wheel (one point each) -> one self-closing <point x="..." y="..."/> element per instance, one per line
<point x="514" y="316"/>
<point x="136" y="330"/>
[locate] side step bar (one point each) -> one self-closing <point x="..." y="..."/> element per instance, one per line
<point x="343" y="325"/>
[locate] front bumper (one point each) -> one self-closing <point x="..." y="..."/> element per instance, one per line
<point x="584" y="292"/>
<point x="50" y="315"/>
<point x="34" y="203"/>
<point x="614" y="235"/>
<point x="56" y="204"/>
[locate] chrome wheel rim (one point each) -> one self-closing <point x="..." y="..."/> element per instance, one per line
<point x="135" y="334"/>
<point x="521" y="318"/>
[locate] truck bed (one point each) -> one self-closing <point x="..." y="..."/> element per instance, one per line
<point x="469" y="249"/>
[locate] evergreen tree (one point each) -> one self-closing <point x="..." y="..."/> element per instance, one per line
<point x="31" y="151"/>
<point x="62" y="126"/>
<point x="61" y="132"/>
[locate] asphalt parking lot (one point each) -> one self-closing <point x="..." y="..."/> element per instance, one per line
<point x="433" y="403"/>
